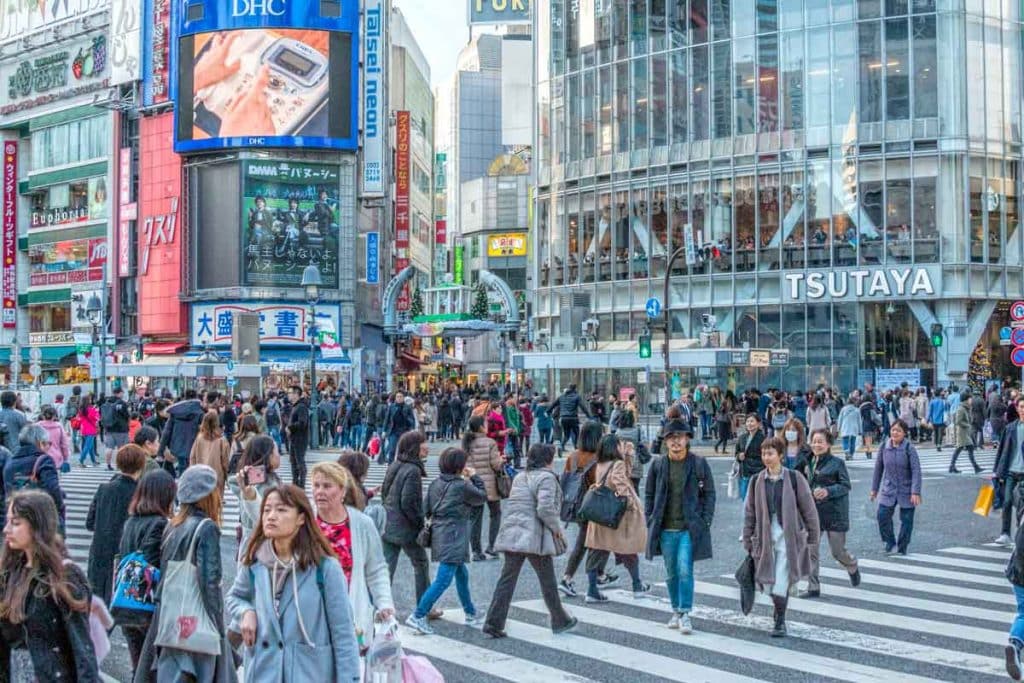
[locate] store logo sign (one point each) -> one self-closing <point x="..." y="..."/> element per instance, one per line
<point x="156" y="231"/>
<point x="257" y="8"/>
<point x="883" y="282"/>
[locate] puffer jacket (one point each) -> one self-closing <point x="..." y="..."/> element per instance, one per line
<point x="402" y="492"/>
<point x="450" y="500"/>
<point x="530" y="521"/>
<point x="486" y="459"/>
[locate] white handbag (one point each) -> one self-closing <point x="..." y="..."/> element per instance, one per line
<point x="734" y="479"/>
<point x="184" y="623"/>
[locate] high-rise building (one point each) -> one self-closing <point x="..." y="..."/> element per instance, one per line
<point x="838" y="177"/>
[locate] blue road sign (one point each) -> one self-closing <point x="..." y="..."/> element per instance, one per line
<point x="231" y="365"/>
<point x="653" y="307"/>
<point x="232" y="382"/>
<point x="1017" y="337"/>
<point x="1017" y="356"/>
<point x="1005" y="332"/>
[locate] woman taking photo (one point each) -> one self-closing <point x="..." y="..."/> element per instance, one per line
<point x="402" y="491"/>
<point x="830" y="487"/>
<point x="449" y="505"/>
<point x="210" y="448"/>
<point x="897" y="481"/>
<point x="531" y="531"/>
<point x="627" y="540"/>
<point x="484" y="457"/>
<point x="356" y="542"/>
<point x="289" y="598"/>
<point x="151" y="506"/>
<point x="89" y="425"/>
<point x="257" y="472"/>
<point x="780" y="526"/>
<point x="44" y="603"/>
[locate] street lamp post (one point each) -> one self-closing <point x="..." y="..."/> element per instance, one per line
<point x="94" y="310"/>
<point x="311" y="283"/>
<point x="668" y="323"/>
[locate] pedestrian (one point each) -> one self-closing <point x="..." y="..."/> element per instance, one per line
<point x="937" y="415"/>
<point x="629" y="433"/>
<point x="211" y="448"/>
<point x="871" y="422"/>
<point x="979" y="408"/>
<point x="12" y="420"/>
<point x="255" y="475"/>
<point x="358" y="465"/>
<point x="629" y="538"/>
<point x="402" y="491"/>
<point x="514" y="429"/>
<point x="542" y="418"/>
<point x="897" y="481"/>
<point x="996" y="416"/>
<point x="355" y="541"/>
<point x="568" y="407"/>
<point x="272" y="418"/>
<point x="32" y="467"/>
<point x="107" y="514"/>
<point x="89" y="424"/>
<point x="1008" y="472"/>
<point x="114" y="418"/>
<point x="964" y="433"/>
<point x="850" y="426"/>
<point x="724" y="411"/>
<point x="818" y="416"/>
<point x="679" y="503"/>
<point x="748" y="452"/>
<point x="486" y="460"/>
<point x="151" y="506"/>
<point x="148" y="439"/>
<point x="780" y="527"/>
<point x="298" y="436"/>
<point x="430" y="418"/>
<point x="195" y="526"/>
<point x="582" y="462"/>
<point x="796" y="443"/>
<point x="44" y="599"/>
<point x="179" y="434"/>
<point x="399" y="419"/>
<point x="248" y="429"/>
<point x="449" y="503"/>
<point x="531" y="531"/>
<point x="70" y="413"/>
<point x="290" y="600"/>
<point x="60" y="444"/>
<point x="830" y="487"/>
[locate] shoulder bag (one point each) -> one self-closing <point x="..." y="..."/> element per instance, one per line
<point x="184" y="623"/>
<point x="425" y="537"/>
<point x="503" y="481"/>
<point x="602" y="505"/>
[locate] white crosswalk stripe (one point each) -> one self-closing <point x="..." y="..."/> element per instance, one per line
<point x="908" y="622"/>
<point x="937" y="462"/>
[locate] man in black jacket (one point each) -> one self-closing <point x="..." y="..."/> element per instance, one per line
<point x="567" y="410"/>
<point x="114" y="420"/>
<point x="183" y="419"/>
<point x="298" y="436"/>
<point x="1009" y="468"/>
<point x="400" y="420"/>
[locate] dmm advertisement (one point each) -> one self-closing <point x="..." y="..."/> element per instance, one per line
<point x="290" y="221"/>
<point x="266" y="73"/>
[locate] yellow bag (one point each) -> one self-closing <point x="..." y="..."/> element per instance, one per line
<point x="983" y="503"/>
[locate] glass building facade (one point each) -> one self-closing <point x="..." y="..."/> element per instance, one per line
<point x="862" y="146"/>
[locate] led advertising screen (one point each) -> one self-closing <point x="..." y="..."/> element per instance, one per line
<point x="266" y="73"/>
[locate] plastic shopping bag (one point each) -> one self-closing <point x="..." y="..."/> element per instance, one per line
<point x="384" y="658"/>
<point x="733" y="490"/>
<point x="418" y="669"/>
<point x="983" y="503"/>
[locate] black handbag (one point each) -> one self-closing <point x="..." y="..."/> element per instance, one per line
<point x="425" y="537"/>
<point x="602" y="505"/>
<point x="503" y="482"/>
<point x="745" y="578"/>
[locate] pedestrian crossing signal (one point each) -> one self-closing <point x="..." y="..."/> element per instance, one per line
<point x="645" y="345"/>
<point x="937" y="335"/>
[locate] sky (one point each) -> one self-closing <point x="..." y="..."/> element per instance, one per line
<point x="440" y="28"/>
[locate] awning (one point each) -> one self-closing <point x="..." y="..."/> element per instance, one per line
<point x="410" y="359"/>
<point x="163" y="348"/>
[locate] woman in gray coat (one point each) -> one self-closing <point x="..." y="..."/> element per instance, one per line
<point x="290" y="598"/>
<point x="531" y="530"/>
<point x="964" y="433"/>
<point x="450" y="501"/>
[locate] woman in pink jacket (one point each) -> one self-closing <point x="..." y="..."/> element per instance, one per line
<point x="60" y="445"/>
<point x="89" y="423"/>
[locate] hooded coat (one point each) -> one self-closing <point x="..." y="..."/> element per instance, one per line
<point x="450" y="500"/>
<point x="530" y="519"/>
<point x="107" y="514"/>
<point x="183" y="420"/>
<point x="402" y="492"/>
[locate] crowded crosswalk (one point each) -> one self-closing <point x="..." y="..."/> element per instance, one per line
<point x="923" y="617"/>
<point x="934" y="461"/>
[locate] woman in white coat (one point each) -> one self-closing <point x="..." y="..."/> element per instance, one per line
<point x="354" y="538"/>
<point x="849" y="426"/>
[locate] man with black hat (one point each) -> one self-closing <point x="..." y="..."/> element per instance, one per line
<point x="679" y="506"/>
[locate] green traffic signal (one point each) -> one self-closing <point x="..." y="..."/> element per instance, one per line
<point x="936" y="335"/>
<point x="645" y="346"/>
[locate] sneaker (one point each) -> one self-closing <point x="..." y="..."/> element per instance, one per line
<point x="1012" y="661"/>
<point x="641" y="590"/>
<point x="598" y="597"/>
<point x="890" y="550"/>
<point x="473" y="620"/>
<point x="674" y="621"/>
<point x="491" y="554"/>
<point x="419" y="625"/>
<point x="568" y="589"/>
<point x="685" y="625"/>
<point x="810" y="594"/>
<point x="479" y="557"/>
<point x="1004" y="539"/>
<point x="571" y="624"/>
<point x="607" y="580"/>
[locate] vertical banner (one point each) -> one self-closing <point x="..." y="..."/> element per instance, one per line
<point x="374" y="119"/>
<point x="10" y="235"/>
<point x="125" y="41"/>
<point x="457" y="267"/>
<point x="156" y="56"/>
<point x="373" y="258"/>
<point x="127" y="212"/>
<point x="441" y="232"/>
<point x="402" y="181"/>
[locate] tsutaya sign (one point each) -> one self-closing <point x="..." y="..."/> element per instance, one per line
<point x="858" y="284"/>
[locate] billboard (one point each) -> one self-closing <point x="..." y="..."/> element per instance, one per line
<point x="80" y="201"/>
<point x="508" y="244"/>
<point x="374" y="80"/>
<point x="290" y="221"/>
<point x="281" y="324"/>
<point x="265" y="73"/>
<point x="9" y="235"/>
<point x="490" y="12"/>
<point x="156" y="58"/>
<point x="72" y="69"/>
<point x="67" y="262"/>
<point x="403" y="181"/>
<point x="19" y="19"/>
<point x="125" y="41"/>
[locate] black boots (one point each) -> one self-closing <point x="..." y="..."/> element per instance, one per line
<point x="779" y="631"/>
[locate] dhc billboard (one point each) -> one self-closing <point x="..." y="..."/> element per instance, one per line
<point x="265" y="73"/>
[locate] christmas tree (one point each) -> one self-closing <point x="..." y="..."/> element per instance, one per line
<point x="979" y="368"/>
<point x="480" y="305"/>
<point x="416" y="307"/>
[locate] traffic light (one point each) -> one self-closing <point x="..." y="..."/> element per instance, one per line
<point x="936" y="335"/>
<point x="645" y="345"/>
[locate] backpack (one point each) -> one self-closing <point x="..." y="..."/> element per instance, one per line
<point x="108" y="413"/>
<point x="71" y="408"/>
<point x="273" y="415"/>
<point x="574" y="487"/>
<point x="778" y="420"/>
<point x="31" y="482"/>
<point x="133" y="599"/>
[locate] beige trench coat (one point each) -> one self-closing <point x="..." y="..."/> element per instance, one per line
<point x="631" y="535"/>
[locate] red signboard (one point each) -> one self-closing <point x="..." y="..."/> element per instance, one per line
<point x="10" y="235"/>
<point x="441" y="232"/>
<point x="160" y="255"/>
<point x="124" y="234"/>
<point x="403" y="179"/>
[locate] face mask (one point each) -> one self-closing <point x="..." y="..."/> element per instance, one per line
<point x="790" y="436"/>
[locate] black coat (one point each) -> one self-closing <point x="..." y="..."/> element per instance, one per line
<point x="403" y="500"/>
<point x="179" y="433"/>
<point x="750" y="447"/>
<point x="1015" y="567"/>
<point x="450" y="502"/>
<point x="298" y="421"/>
<point x="1008" y="450"/>
<point x="56" y="637"/>
<point x="21" y="464"/>
<point x="831" y="475"/>
<point x="107" y="515"/>
<point x="698" y="504"/>
<point x="143" y="534"/>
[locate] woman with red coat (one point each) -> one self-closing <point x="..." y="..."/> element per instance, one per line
<point x="527" y="421"/>
<point x="496" y="426"/>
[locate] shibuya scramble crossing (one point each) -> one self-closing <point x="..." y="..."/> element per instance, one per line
<point x="685" y="338"/>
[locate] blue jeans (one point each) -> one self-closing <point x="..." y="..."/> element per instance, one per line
<point x="885" y="528"/>
<point x="677" y="551"/>
<point x="275" y="434"/>
<point x="445" y="573"/>
<point x="705" y="425"/>
<point x="88" y="449"/>
<point x="849" y="444"/>
<point x="744" y="484"/>
<point x="1017" y="629"/>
